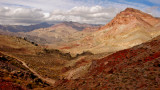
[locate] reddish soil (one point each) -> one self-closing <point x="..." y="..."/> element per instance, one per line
<point x="69" y="47"/>
<point x="6" y="85"/>
<point x="134" y="68"/>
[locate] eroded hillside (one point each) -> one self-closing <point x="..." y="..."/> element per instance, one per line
<point x="133" y="68"/>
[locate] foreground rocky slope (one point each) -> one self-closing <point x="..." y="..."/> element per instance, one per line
<point x="15" y="76"/>
<point x="133" y="68"/>
<point x="129" y="28"/>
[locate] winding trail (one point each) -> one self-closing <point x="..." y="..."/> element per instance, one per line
<point x="48" y="80"/>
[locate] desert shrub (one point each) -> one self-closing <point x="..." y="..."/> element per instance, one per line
<point x="57" y="52"/>
<point x="84" y="53"/>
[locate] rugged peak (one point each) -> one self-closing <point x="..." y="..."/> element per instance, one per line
<point x="131" y="10"/>
<point x="131" y="15"/>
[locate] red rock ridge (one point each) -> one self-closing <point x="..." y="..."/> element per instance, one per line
<point x="130" y="15"/>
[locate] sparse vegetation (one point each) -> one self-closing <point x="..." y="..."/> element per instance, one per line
<point x="14" y="72"/>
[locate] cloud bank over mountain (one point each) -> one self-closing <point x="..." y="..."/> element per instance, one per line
<point x="20" y="15"/>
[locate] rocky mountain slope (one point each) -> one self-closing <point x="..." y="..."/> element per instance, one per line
<point x="13" y="44"/>
<point x="30" y="38"/>
<point x="129" y="28"/>
<point x="13" y="75"/>
<point x="21" y="61"/>
<point x="133" y="68"/>
<point x="46" y="64"/>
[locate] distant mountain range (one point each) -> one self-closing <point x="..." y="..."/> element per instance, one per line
<point x="45" y="33"/>
<point x="21" y="28"/>
<point x="79" y="26"/>
<point x="63" y="32"/>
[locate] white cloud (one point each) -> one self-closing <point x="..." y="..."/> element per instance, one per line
<point x="36" y="11"/>
<point x="155" y="1"/>
<point x="20" y="16"/>
<point x="48" y="5"/>
<point x="94" y="15"/>
<point x="153" y="11"/>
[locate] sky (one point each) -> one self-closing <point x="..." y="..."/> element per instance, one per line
<point x="26" y="12"/>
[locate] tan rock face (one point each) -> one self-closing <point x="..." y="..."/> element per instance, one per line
<point x="129" y="28"/>
<point x="91" y="29"/>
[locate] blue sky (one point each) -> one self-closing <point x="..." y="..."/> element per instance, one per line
<point x="67" y="4"/>
<point x="83" y="11"/>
